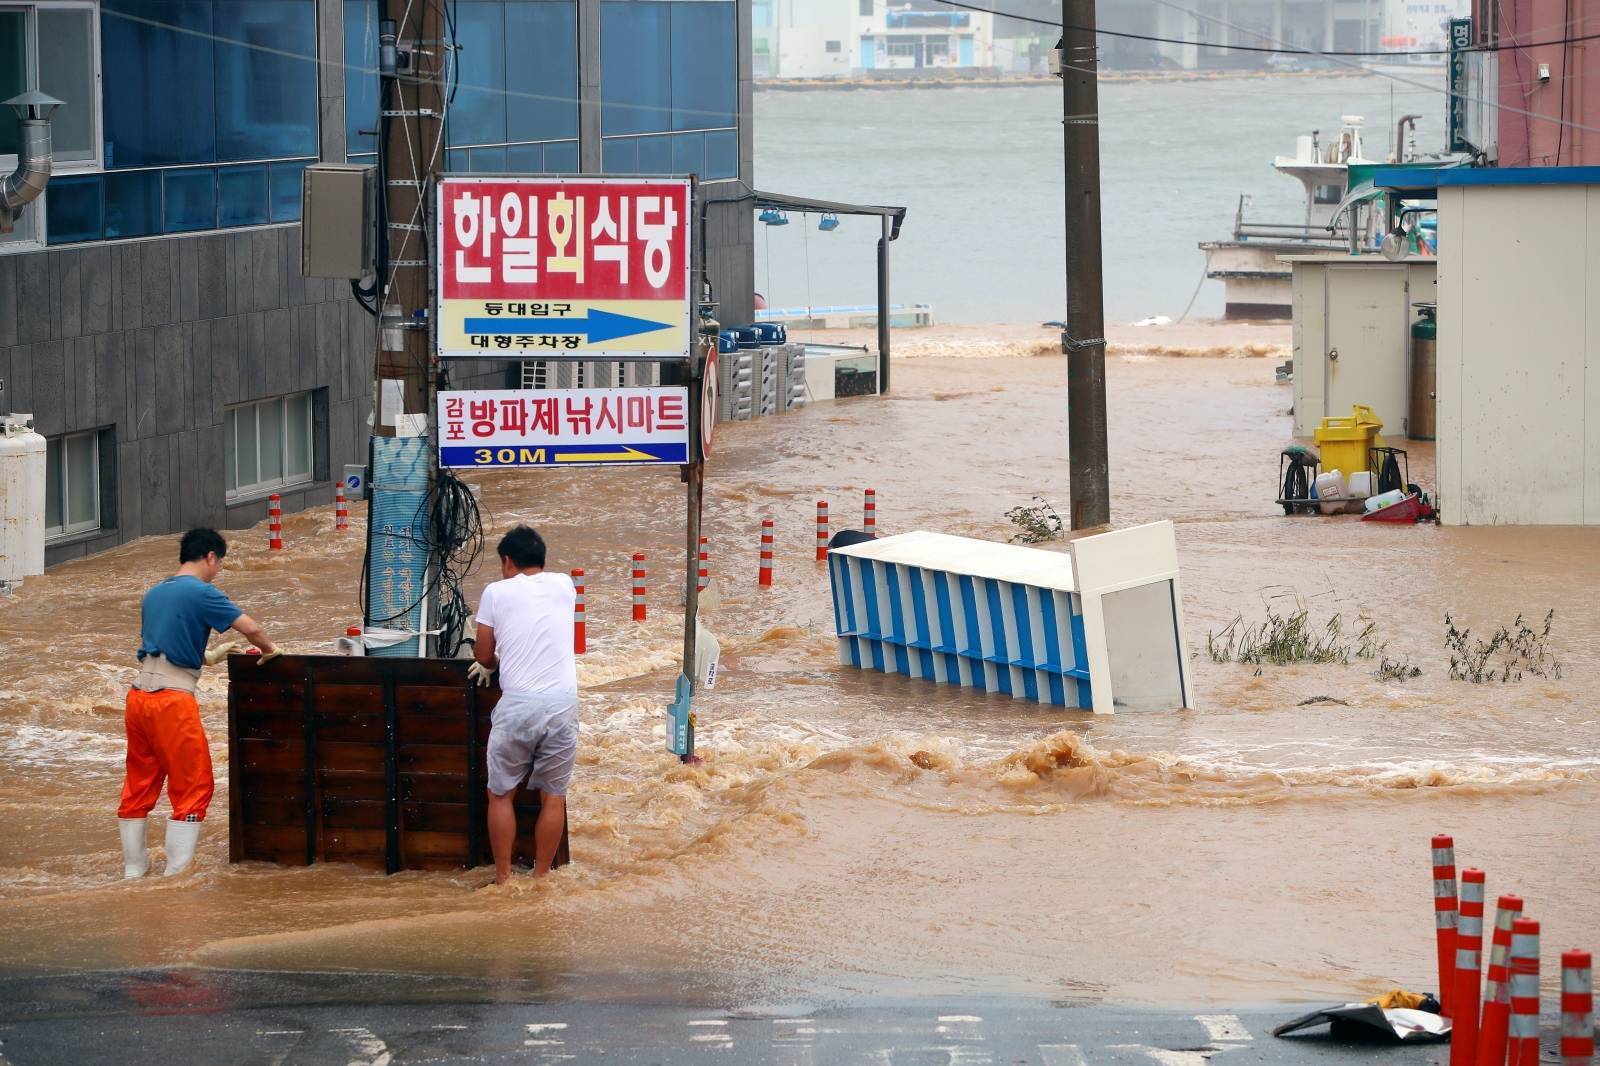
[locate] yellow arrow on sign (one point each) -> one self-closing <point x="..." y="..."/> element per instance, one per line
<point x="627" y="454"/>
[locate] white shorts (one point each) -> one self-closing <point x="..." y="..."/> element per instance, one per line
<point x="533" y="735"/>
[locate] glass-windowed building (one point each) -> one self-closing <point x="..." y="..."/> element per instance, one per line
<point x="152" y="314"/>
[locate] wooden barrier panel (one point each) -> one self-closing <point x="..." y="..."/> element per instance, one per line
<point x="374" y="761"/>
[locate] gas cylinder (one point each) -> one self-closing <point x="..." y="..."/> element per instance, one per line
<point x="1424" y="374"/>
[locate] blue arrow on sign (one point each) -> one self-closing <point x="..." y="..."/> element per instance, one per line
<point x="599" y="326"/>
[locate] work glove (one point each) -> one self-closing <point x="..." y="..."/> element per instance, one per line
<point x="479" y="673"/>
<point x="221" y="652"/>
<point x="269" y="655"/>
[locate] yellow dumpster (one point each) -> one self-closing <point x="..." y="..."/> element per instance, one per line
<point x="1346" y="442"/>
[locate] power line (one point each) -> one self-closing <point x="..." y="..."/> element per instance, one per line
<point x="1128" y="35"/>
<point x="1449" y="93"/>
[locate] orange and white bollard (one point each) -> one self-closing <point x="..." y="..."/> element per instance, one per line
<point x="1577" y="1009"/>
<point x="1524" y="1048"/>
<point x="869" y="512"/>
<point x="580" y="628"/>
<point x="703" y="575"/>
<point x="1469" y="964"/>
<point x="765" y="577"/>
<point x="1495" y="1024"/>
<point x="341" y="511"/>
<point x="275" y="522"/>
<point x="1444" y="917"/>
<point x="638" y="587"/>
<point x="822" y="530"/>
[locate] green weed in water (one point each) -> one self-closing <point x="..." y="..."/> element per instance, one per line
<point x="1283" y="639"/>
<point x="1036" y="524"/>
<point x="1506" y="656"/>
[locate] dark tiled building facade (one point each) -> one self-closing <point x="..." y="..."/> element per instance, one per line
<point x="152" y="314"/>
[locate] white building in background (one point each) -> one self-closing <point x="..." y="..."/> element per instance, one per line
<point x="1421" y="25"/>
<point x="853" y="38"/>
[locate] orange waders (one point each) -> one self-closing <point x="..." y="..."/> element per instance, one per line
<point x="166" y="743"/>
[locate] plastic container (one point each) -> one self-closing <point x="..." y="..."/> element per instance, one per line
<point x="747" y="336"/>
<point x="1361" y="484"/>
<point x="773" y="333"/>
<point x="1378" y="503"/>
<point x="350" y="643"/>
<point x="1423" y="408"/>
<point x="1408" y="509"/>
<point x="1346" y="442"/>
<point x="1330" y="491"/>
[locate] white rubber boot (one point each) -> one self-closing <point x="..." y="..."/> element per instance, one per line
<point x="135" y="859"/>
<point x="181" y="839"/>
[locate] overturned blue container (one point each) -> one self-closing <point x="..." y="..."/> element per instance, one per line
<point x="1098" y="627"/>
<point x="747" y="336"/>
<point x="773" y="333"/>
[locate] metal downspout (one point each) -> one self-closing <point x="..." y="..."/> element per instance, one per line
<point x="23" y="185"/>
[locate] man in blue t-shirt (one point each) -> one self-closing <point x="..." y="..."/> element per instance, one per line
<point x="166" y="743"/>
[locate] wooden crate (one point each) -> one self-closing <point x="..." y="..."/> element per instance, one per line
<point x="374" y="761"/>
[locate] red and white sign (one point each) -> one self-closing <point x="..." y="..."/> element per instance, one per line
<point x="536" y="266"/>
<point x="708" y="403"/>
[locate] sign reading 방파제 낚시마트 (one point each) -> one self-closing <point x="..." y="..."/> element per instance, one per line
<point x="564" y="427"/>
<point x="535" y="267"/>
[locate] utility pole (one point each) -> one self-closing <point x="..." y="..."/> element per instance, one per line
<point x="411" y="65"/>
<point x="1083" y="340"/>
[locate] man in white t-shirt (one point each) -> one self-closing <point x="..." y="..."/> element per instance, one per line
<point x="525" y="631"/>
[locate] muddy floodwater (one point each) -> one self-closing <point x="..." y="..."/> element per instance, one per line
<point x="851" y="835"/>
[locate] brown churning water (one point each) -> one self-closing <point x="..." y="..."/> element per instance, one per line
<point x="853" y="834"/>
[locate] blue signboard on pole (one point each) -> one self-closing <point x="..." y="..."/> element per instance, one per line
<point x="1456" y="113"/>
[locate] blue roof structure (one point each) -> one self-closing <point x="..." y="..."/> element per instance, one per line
<point x="1416" y="182"/>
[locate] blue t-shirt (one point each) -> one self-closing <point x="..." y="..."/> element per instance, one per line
<point x="177" y="617"/>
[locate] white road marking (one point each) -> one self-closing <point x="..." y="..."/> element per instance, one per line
<point x="443" y="1027"/>
<point x="544" y="1043"/>
<point x="540" y="1027"/>
<point x="279" y="1032"/>
<point x="365" y="1043"/>
<point x="712" y="1038"/>
<point x="709" y="1021"/>
<point x="1223" y="1027"/>
<point x="1169" y="1057"/>
<point x="959" y="1018"/>
<point x="1062" y="1055"/>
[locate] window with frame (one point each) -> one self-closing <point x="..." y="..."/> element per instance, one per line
<point x="515" y="101"/>
<point x="72" y="485"/>
<point x="669" y="87"/>
<point x="212" y="118"/>
<point x="831" y="46"/>
<point x="267" y="445"/>
<point x="52" y="47"/>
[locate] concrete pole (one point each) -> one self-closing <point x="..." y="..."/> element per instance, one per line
<point x="1083" y="340"/>
<point x="416" y="99"/>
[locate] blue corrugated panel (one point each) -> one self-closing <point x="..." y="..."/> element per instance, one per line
<point x="998" y="636"/>
<point x="397" y="540"/>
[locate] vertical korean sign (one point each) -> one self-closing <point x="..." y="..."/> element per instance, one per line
<point x="583" y="268"/>
<point x="1460" y="45"/>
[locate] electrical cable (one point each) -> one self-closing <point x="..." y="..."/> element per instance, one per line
<point x="1566" y="57"/>
<point x="453" y="536"/>
<point x="1128" y="35"/>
